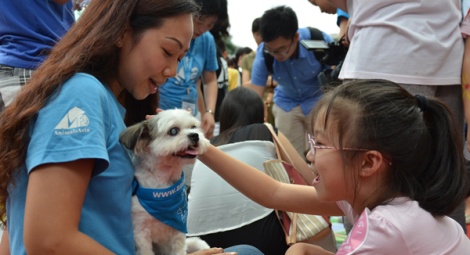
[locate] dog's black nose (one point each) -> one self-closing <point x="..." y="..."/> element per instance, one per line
<point x="194" y="137"/>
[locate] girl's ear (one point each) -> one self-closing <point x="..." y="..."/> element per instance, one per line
<point x="296" y="37"/>
<point x="373" y="161"/>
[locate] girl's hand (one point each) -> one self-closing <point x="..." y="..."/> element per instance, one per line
<point x="213" y="251"/>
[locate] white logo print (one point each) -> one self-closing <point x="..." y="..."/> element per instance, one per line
<point x="75" y="121"/>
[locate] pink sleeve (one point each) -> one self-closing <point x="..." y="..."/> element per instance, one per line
<point x="373" y="234"/>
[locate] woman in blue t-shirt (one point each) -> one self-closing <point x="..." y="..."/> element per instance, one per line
<point x="200" y="62"/>
<point x="65" y="180"/>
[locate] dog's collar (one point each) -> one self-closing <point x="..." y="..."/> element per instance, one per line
<point x="168" y="205"/>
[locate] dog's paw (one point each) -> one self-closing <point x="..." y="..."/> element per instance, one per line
<point x="194" y="244"/>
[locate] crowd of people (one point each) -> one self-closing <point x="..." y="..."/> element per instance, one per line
<point x="383" y="146"/>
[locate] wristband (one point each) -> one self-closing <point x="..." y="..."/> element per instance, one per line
<point x="210" y="111"/>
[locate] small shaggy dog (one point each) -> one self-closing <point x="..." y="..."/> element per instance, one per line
<point x="161" y="146"/>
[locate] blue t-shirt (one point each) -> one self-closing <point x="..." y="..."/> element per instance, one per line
<point x="30" y="28"/>
<point x="296" y="77"/>
<point x="83" y="121"/>
<point x="200" y="57"/>
<point x="341" y="14"/>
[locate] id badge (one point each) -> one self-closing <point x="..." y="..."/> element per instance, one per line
<point x="189" y="104"/>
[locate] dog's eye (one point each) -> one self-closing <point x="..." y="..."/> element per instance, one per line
<point x="193" y="127"/>
<point x="174" y="131"/>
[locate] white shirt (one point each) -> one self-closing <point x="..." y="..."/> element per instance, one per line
<point x="405" y="41"/>
<point x="214" y="205"/>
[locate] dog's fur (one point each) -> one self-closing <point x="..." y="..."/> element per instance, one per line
<point x="161" y="146"/>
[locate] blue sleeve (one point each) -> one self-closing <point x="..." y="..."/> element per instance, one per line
<point x="71" y="126"/>
<point x="341" y="14"/>
<point x="211" y="54"/>
<point x="259" y="72"/>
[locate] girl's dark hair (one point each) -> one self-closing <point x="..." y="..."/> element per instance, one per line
<point x="418" y="136"/>
<point x="89" y="46"/>
<point x="278" y="22"/>
<point x="241" y="107"/>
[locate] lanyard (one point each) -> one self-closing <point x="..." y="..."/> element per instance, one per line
<point x="187" y="62"/>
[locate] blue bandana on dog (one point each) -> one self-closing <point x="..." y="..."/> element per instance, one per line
<point x="168" y="205"/>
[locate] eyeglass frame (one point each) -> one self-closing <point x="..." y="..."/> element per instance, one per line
<point x="314" y="146"/>
<point x="277" y="52"/>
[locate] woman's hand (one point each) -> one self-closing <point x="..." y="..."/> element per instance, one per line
<point x="213" y="251"/>
<point x="208" y="124"/>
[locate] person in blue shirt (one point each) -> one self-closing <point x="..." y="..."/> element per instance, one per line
<point x="200" y="62"/>
<point x="295" y="69"/>
<point x="28" y="31"/>
<point x="65" y="180"/>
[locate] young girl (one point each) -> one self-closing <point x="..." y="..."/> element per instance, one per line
<point x="229" y="217"/>
<point x="65" y="181"/>
<point x="389" y="161"/>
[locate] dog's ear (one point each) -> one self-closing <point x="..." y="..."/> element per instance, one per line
<point x="136" y="136"/>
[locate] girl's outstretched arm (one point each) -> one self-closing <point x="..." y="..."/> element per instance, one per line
<point x="263" y="189"/>
<point x="307" y="249"/>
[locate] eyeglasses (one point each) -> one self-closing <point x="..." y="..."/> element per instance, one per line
<point x="314" y="146"/>
<point x="278" y="52"/>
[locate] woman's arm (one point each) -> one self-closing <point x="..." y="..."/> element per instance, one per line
<point x="201" y="105"/>
<point x="5" y="243"/>
<point x="246" y="77"/>
<point x="263" y="189"/>
<point x="466" y="87"/>
<point x="207" y="117"/>
<point x="54" y="201"/>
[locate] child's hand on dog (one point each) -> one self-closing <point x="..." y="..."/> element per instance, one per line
<point x="156" y="112"/>
<point x="213" y="251"/>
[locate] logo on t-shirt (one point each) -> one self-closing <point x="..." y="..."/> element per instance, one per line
<point x="357" y="236"/>
<point x="187" y="74"/>
<point x="75" y="121"/>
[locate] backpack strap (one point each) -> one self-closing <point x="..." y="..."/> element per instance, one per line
<point x="315" y="34"/>
<point x="268" y="61"/>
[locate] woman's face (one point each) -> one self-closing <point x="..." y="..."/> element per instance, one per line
<point x="146" y="64"/>
<point x="203" y="24"/>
